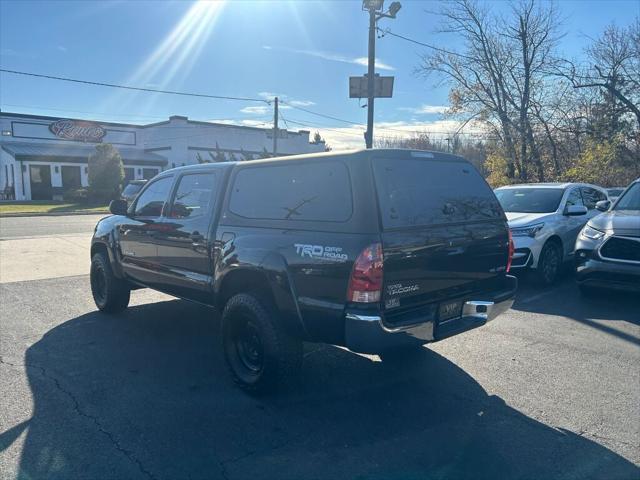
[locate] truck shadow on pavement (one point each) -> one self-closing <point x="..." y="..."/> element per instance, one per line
<point x="145" y="395"/>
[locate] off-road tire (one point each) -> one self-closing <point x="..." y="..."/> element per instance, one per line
<point x="110" y="294"/>
<point x="251" y="319"/>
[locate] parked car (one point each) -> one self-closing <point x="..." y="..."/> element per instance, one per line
<point x="608" y="247"/>
<point x="614" y="193"/>
<point x="545" y="219"/>
<point x="132" y="189"/>
<point x="380" y="251"/>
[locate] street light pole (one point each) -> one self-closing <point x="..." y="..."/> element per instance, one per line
<point x="375" y="8"/>
<point x="371" y="76"/>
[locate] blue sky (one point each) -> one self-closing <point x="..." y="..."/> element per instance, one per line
<point x="301" y="50"/>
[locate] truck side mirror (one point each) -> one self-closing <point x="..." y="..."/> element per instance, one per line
<point x="603" y="205"/>
<point x="118" y="207"/>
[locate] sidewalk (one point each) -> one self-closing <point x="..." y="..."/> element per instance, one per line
<point x="44" y="257"/>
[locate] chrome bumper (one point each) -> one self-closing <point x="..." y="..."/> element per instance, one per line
<point x="366" y="333"/>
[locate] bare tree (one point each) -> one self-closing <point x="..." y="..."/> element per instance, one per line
<point x="614" y="66"/>
<point x="501" y="71"/>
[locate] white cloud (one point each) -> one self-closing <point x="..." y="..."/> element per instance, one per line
<point x="364" y="61"/>
<point x="301" y="103"/>
<point x="62" y="48"/>
<point x="256" y="110"/>
<point x="333" y="57"/>
<point x="245" y="122"/>
<point x="426" y="109"/>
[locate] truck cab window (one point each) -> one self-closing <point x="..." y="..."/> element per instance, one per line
<point x="194" y="196"/>
<point x="153" y="198"/>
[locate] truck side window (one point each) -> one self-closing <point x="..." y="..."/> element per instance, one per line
<point x="194" y="196"/>
<point x="312" y="191"/>
<point x="153" y="198"/>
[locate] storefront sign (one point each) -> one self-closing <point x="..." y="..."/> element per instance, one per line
<point x="76" y="130"/>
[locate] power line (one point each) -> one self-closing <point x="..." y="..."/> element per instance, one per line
<point x="460" y="55"/>
<point x="307" y="125"/>
<point x="432" y="47"/>
<point x="140" y="89"/>
<point x="319" y="114"/>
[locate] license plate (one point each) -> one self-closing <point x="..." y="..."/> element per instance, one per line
<point x="450" y="310"/>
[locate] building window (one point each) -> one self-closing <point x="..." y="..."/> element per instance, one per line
<point x="57" y="169"/>
<point x="86" y="169"/>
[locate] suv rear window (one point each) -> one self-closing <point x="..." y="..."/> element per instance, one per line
<point x="424" y="192"/>
<point x="319" y="192"/>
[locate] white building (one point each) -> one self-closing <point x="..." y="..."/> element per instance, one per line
<point x="42" y="157"/>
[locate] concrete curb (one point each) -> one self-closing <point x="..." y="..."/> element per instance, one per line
<point x="51" y="214"/>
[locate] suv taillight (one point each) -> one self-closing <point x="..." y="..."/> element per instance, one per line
<point x="365" y="284"/>
<point x="511" y="251"/>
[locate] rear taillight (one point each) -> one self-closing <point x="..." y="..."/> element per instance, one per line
<point x="365" y="284"/>
<point x="511" y="251"/>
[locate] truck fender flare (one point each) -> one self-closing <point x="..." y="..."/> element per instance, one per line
<point x="283" y="287"/>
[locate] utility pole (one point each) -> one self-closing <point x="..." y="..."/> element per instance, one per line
<point x="375" y="9"/>
<point x="275" y="127"/>
<point x="371" y="76"/>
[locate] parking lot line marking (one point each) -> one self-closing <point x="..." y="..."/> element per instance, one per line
<point x="543" y="294"/>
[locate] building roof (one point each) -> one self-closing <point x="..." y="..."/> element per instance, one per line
<point x="25" y="151"/>
<point x="155" y="124"/>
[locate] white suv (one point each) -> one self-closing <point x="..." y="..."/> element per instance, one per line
<point x="545" y="219"/>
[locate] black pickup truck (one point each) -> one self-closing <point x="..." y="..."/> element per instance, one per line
<point x="379" y="251"/>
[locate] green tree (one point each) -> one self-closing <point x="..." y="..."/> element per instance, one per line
<point x="106" y="173"/>
<point x="599" y="163"/>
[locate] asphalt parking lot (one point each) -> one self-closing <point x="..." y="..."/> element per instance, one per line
<point x="549" y="390"/>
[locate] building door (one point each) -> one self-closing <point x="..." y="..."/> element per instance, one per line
<point x="40" y="179"/>
<point x="71" y="178"/>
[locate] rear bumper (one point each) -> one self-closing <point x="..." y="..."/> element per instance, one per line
<point x="366" y="332"/>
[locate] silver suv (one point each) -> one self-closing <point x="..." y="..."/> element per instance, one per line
<point x="545" y="219"/>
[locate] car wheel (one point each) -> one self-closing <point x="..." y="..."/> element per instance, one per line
<point x="259" y="353"/>
<point x="109" y="293"/>
<point x="549" y="264"/>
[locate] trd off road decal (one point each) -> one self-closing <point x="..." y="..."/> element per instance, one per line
<point x="319" y="251"/>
